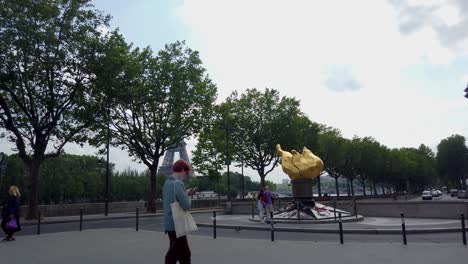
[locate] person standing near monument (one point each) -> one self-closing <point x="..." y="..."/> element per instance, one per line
<point x="174" y="189"/>
<point x="268" y="200"/>
<point x="260" y="205"/>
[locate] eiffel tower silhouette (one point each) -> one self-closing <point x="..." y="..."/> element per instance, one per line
<point x="166" y="167"/>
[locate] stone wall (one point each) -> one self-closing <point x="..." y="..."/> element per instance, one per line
<point x="369" y="208"/>
<point x="376" y="208"/>
<point x="114" y="208"/>
<point x="414" y="209"/>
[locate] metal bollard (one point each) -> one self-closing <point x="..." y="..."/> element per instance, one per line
<point x="137" y="219"/>
<point x="214" y="224"/>
<point x="463" y="228"/>
<point x="403" y="228"/>
<point x="340" y="224"/>
<point x="253" y="212"/>
<point x="81" y="220"/>
<point x="298" y="212"/>
<point x="334" y="208"/>
<point x="38" y="222"/>
<point x="355" y="207"/>
<point x="272" y="227"/>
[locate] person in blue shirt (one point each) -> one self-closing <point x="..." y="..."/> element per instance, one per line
<point x="174" y="189"/>
<point x="11" y="210"/>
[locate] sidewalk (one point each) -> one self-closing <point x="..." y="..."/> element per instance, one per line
<point x="88" y="218"/>
<point x="119" y="246"/>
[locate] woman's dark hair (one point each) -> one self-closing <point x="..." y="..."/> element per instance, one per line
<point x="181" y="166"/>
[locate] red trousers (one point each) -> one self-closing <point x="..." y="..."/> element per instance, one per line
<point x="179" y="249"/>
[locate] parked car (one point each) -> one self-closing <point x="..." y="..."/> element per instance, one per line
<point x="440" y="192"/>
<point x="453" y="192"/>
<point x="462" y="194"/>
<point x="426" y="195"/>
<point x="435" y="193"/>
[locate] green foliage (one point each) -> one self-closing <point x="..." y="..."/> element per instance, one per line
<point x="72" y="178"/>
<point x="452" y="160"/>
<point x="366" y="160"/>
<point x="332" y="152"/>
<point x="259" y="121"/>
<point x="155" y="101"/>
<point x="47" y="53"/>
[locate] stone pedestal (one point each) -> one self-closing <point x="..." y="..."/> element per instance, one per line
<point x="302" y="190"/>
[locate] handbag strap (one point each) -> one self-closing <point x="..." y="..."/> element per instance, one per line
<point x="174" y="191"/>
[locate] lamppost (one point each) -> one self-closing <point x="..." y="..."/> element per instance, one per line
<point x="228" y="128"/>
<point x="106" y="206"/>
<point x="243" y="181"/>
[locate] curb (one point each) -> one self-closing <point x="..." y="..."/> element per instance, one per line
<point x="336" y="231"/>
<point x="130" y="216"/>
<point x="349" y="219"/>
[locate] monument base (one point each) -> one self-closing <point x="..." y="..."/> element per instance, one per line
<point x="304" y="207"/>
<point x="302" y="190"/>
<point x="309" y="211"/>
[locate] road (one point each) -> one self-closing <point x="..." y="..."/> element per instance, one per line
<point x="156" y="224"/>
<point x="444" y="197"/>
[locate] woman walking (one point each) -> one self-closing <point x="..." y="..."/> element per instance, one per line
<point x="174" y="189"/>
<point x="11" y="210"/>
<point x="260" y="205"/>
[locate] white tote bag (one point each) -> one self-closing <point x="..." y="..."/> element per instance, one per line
<point x="183" y="220"/>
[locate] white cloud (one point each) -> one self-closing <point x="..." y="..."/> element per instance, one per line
<point x="448" y="19"/>
<point x="291" y="45"/>
<point x="449" y="15"/>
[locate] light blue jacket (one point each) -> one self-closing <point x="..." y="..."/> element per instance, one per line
<point x="169" y="197"/>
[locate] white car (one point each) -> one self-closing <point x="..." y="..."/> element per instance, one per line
<point x="426" y="195"/>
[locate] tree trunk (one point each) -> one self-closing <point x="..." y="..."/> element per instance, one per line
<point x="408" y="186"/>
<point x="34" y="167"/>
<point x="375" y="189"/>
<point x="319" y="187"/>
<point x="152" y="199"/>
<point x="337" y="187"/>
<point x="383" y="189"/>
<point x="262" y="178"/>
<point x="351" y="187"/>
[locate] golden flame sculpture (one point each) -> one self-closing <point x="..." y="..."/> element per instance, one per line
<point x="300" y="166"/>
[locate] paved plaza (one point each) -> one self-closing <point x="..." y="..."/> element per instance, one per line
<point x="128" y="246"/>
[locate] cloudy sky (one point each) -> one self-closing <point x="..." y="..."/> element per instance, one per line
<point x="391" y="69"/>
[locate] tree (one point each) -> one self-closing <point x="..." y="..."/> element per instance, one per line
<point x="332" y="152"/>
<point x="260" y="120"/>
<point x="210" y="153"/>
<point x="351" y="167"/>
<point x="452" y="160"/>
<point x="371" y="163"/>
<point x="47" y="49"/>
<point x="162" y="100"/>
